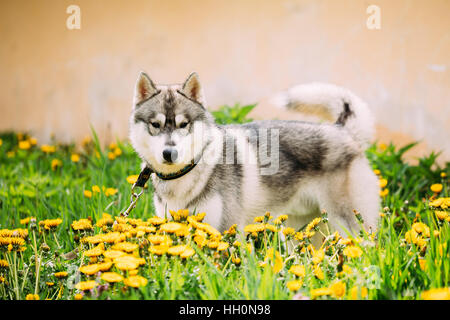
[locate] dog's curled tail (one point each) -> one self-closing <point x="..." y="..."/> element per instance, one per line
<point x="331" y="103"/>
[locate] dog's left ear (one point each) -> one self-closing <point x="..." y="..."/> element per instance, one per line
<point x="193" y="89"/>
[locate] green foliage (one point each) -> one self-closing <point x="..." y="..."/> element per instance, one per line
<point x="235" y="114"/>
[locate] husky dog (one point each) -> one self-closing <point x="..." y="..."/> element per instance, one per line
<point x="205" y="167"/>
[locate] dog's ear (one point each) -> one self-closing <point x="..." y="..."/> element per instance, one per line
<point x="145" y="88"/>
<point x="193" y="89"/>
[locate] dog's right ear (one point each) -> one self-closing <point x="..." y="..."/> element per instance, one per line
<point x="144" y="89"/>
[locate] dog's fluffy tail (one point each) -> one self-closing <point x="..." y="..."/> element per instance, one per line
<point x="332" y="103"/>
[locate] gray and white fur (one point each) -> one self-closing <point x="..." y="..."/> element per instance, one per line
<point x="320" y="166"/>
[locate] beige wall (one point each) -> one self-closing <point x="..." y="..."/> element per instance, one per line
<point x="55" y="80"/>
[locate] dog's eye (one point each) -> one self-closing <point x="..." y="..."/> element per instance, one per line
<point x="183" y="125"/>
<point x="155" y="125"/>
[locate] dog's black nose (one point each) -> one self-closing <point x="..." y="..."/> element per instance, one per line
<point x="170" y="155"/>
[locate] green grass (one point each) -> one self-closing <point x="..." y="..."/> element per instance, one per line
<point x="389" y="265"/>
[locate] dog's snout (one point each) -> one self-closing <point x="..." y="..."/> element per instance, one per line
<point x="170" y="154"/>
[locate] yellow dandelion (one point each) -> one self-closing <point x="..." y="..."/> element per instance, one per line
<point x="31" y="296"/>
<point x="382" y="183"/>
<point x="288" y="231"/>
<point x="377" y="172"/>
<point x="353" y="251"/>
<point x="111" y="277"/>
<point x="94" y="252"/>
<point x="78" y="296"/>
<point x="441" y="215"/>
<point x="55" y="164"/>
<point x="89" y="269"/>
<point x="113" y="254"/>
<point x="111" y="191"/>
<point x="86" y="285"/>
<point x="222" y="246"/>
<point x="117" y="152"/>
<point x="135" y="281"/>
<point x="188" y="252"/>
<point x="254" y="228"/>
<point x="87" y="193"/>
<point x="357" y="292"/>
<point x="436" y="188"/>
<point x="338" y="289"/>
<point x="111" y="155"/>
<point x="176" y="250"/>
<point x="318" y="272"/>
<point x="436" y="294"/>
<point x="421" y="228"/>
<point x="298" y="270"/>
<point x="61" y="274"/>
<point x="48" y="149"/>
<point x="318" y="256"/>
<point x="156" y="221"/>
<point x="127" y="263"/>
<point x="158" y="249"/>
<point x="274" y="256"/>
<point x="132" y="179"/>
<point x="24" y="145"/>
<point x="75" y="157"/>
<point x="384" y="192"/>
<point x="321" y="292"/>
<point x="294" y="285"/>
<point x="171" y="227"/>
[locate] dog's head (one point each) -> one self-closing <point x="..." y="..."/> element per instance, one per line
<point x="168" y="122"/>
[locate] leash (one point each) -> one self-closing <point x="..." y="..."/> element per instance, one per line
<point x="143" y="178"/>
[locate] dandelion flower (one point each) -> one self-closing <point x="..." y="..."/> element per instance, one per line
<point x="338" y="289"/>
<point x="55" y="164"/>
<point x="318" y="272"/>
<point x="126" y="263"/>
<point x="78" y="296"/>
<point x="75" y="157"/>
<point x="111" y="277"/>
<point x="222" y="246"/>
<point x="353" y="252"/>
<point x="382" y="183"/>
<point x="436" y="188"/>
<point x="436" y="294"/>
<point x="31" y="296"/>
<point x="61" y="274"/>
<point x="298" y="270"/>
<point x="441" y="215"/>
<point x="384" y="192"/>
<point x="113" y="254"/>
<point x="321" y="292"/>
<point x="294" y="285"/>
<point x="89" y="269"/>
<point x="254" y="228"/>
<point x="87" y="193"/>
<point x="132" y="179"/>
<point x="171" y="227"/>
<point x="355" y="291"/>
<point x="135" y="281"/>
<point x="156" y="221"/>
<point x="176" y="250"/>
<point x="188" y="252"/>
<point x="85" y="285"/>
<point x="125" y="246"/>
<point x="24" y="145"/>
<point x="158" y="249"/>
<point x="275" y="256"/>
<point x="318" y="256"/>
<point x="48" y="149"/>
<point x="111" y="191"/>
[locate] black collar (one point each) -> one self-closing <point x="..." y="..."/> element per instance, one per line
<point x="147" y="171"/>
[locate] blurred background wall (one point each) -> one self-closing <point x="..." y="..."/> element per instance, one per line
<point x="59" y="81"/>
